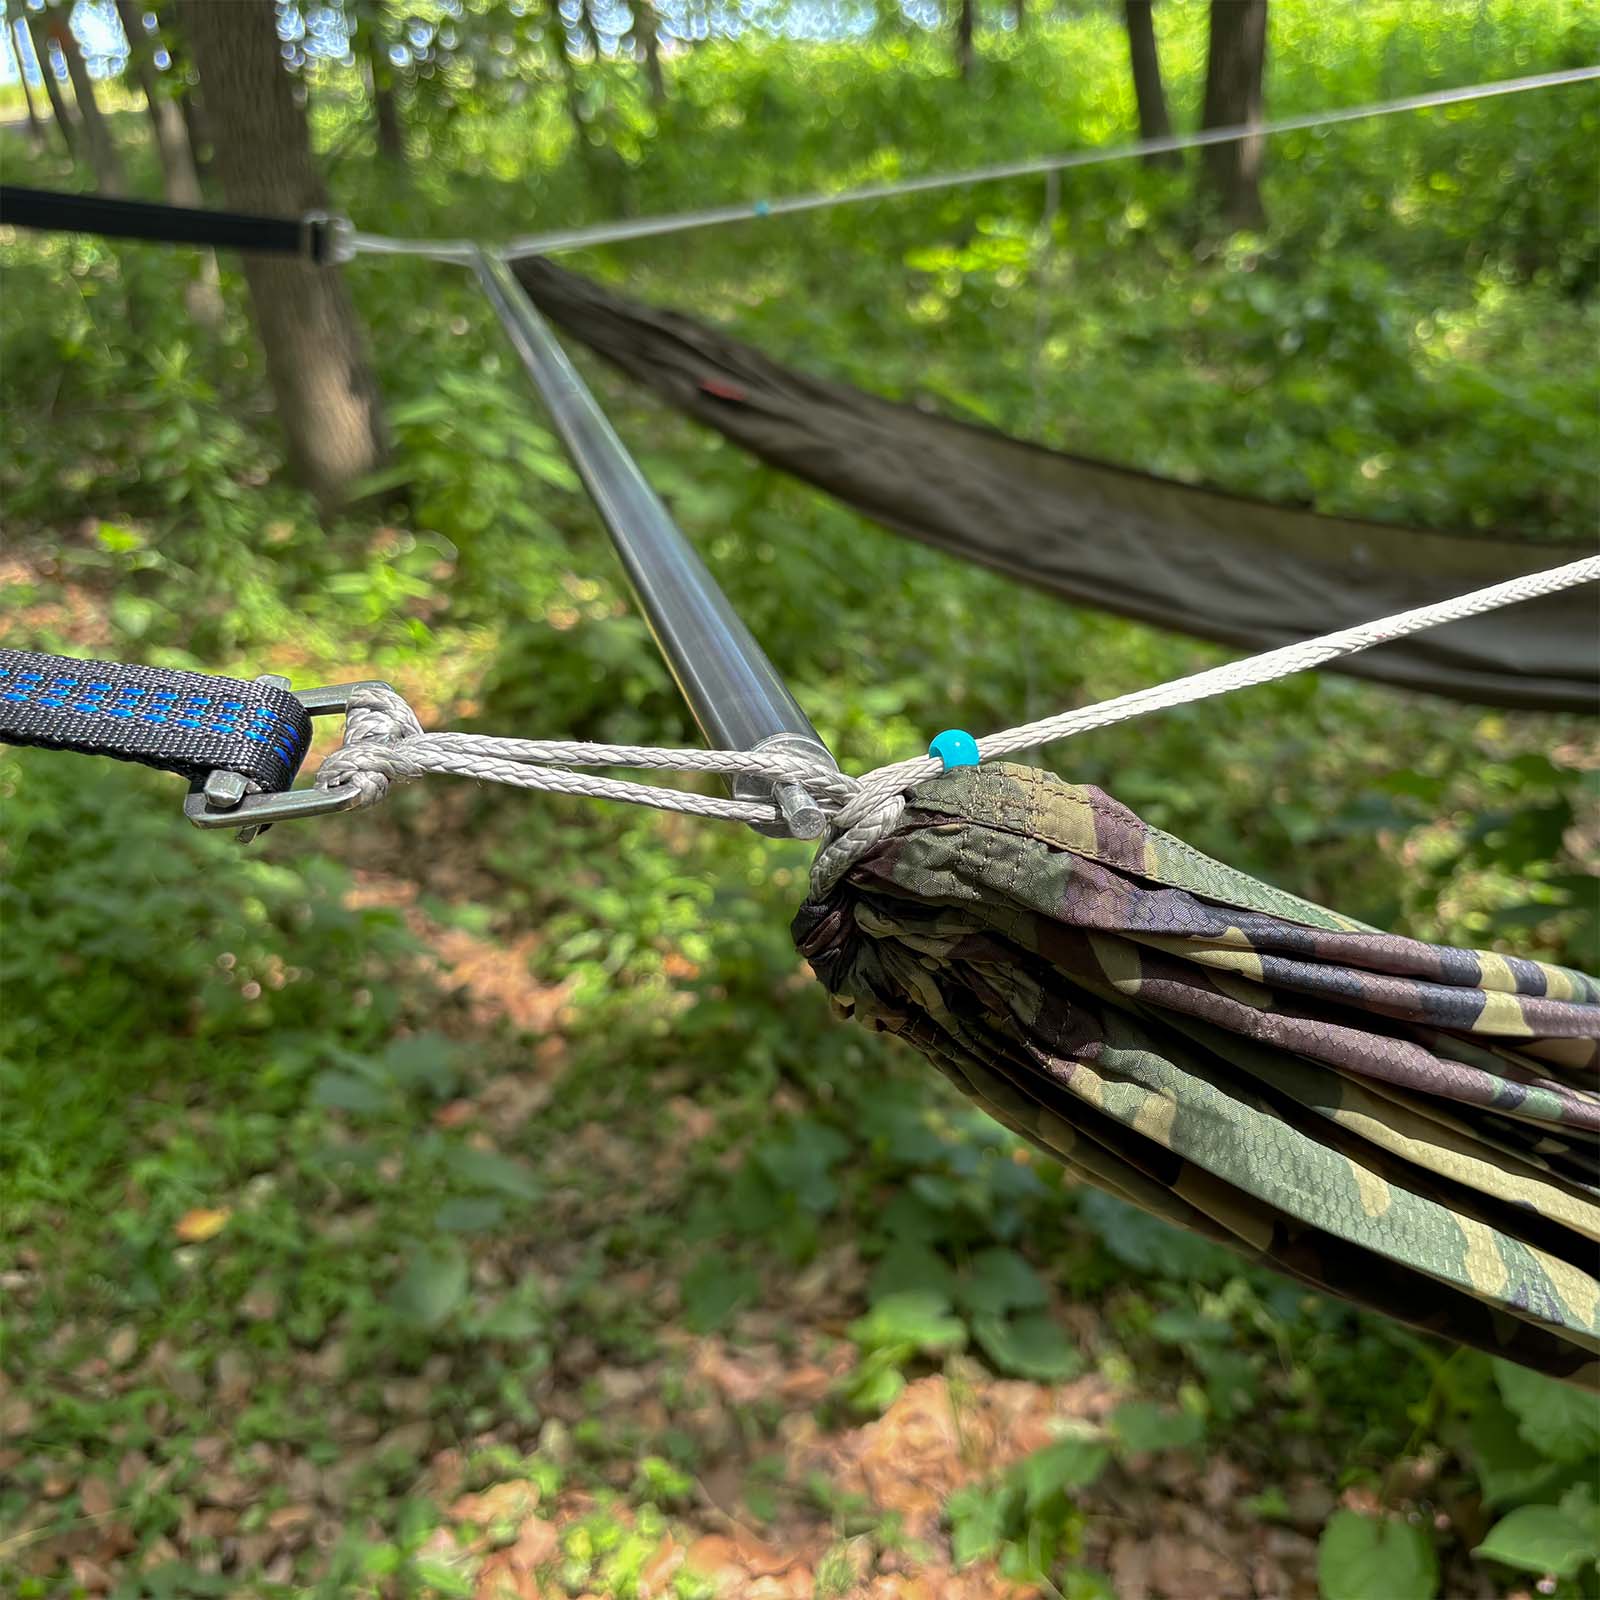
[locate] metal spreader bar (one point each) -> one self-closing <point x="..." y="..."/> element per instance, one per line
<point x="734" y="691"/>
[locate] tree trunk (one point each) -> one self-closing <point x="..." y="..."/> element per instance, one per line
<point x="964" y="26"/>
<point x="1235" y="60"/>
<point x="1019" y="14"/>
<point x="569" y="77"/>
<point x="96" y="134"/>
<point x="192" y="108"/>
<point x="39" y="33"/>
<point x="327" y="398"/>
<point x="1147" y="90"/>
<point x="588" y="34"/>
<point x="184" y="82"/>
<point x="649" y="37"/>
<point x="180" y="183"/>
<point x="35" y="127"/>
<point x="380" y="81"/>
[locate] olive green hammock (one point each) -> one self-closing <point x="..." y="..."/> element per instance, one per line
<point x="1407" y="1126"/>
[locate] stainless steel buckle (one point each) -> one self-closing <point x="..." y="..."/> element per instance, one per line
<point x="222" y="799"/>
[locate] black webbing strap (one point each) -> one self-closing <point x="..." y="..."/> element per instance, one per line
<point x="311" y="237"/>
<point x="187" y="722"/>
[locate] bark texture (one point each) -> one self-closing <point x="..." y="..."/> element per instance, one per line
<point x="96" y="133"/>
<point x="380" y="84"/>
<point x="66" y="121"/>
<point x="1153" y="120"/>
<point x="648" y="34"/>
<point x="180" y="183"/>
<point x="326" y="395"/>
<point x="965" y="22"/>
<point x="1235" y="59"/>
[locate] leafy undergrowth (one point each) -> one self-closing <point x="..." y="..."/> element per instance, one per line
<point x="476" y="1198"/>
<point x="374" y="1232"/>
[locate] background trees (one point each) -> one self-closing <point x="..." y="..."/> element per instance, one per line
<point x="327" y="398"/>
<point x="473" y="1195"/>
<point x="1148" y="92"/>
<point x="47" y="53"/>
<point x="429" y="63"/>
<point x="1235" y="60"/>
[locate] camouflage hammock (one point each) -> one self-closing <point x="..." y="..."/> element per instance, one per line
<point x="1404" y="1125"/>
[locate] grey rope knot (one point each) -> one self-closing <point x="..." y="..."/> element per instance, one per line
<point x="385" y="744"/>
<point x="376" y="726"/>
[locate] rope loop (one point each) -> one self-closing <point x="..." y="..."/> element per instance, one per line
<point x="384" y="743"/>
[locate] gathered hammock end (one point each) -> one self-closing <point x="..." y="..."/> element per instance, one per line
<point x="1407" y="1126"/>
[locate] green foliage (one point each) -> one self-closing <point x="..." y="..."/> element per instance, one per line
<point x="191" y="1026"/>
<point x="1029" y="1346"/>
<point x="1359" y="1557"/>
<point x="1140" y="1427"/>
<point x="1026" y="1520"/>
<point x="899" y="1328"/>
<point x="1559" y="1423"/>
<point x="432" y="1286"/>
<point x="1535" y="1445"/>
<point x="1560" y="1540"/>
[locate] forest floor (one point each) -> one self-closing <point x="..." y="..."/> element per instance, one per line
<point x="475" y="1197"/>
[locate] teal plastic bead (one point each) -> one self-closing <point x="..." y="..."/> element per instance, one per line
<point x="955" y="749"/>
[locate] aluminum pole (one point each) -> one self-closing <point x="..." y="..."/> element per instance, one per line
<point x="734" y="691"/>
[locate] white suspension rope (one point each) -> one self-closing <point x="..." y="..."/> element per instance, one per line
<point x="878" y="803"/>
<point x="384" y="743"/>
<point x="549" y="242"/>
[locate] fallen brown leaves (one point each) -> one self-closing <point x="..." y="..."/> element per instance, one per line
<point x="494" y="976"/>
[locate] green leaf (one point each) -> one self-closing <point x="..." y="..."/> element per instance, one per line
<point x="469" y="1214"/>
<point x="381" y="481"/>
<point x="484" y="1169"/>
<point x="425" y="1059"/>
<point x="345" y="1091"/>
<point x="1230" y="1379"/>
<point x="1182" y="1326"/>
<point x="1578" y="1503"/>
<point x="1084" y="1583"/>
<point x="906" y="1219"/>
<point x="432" y="1286"/>
<point x="1030" y="1346"/>
<point x="917" y="1320"/>
<point x="1058" y="1469"/>
<point x="1140" y="1427"/>
<point x="798" y="1162"/>
<point x="1540" y="1539"/>
<point x="911" y="1267"/>
<point x="979" y="1518"/>
<point x="876" y="1384"/>
<point x="1360" y="1558"/>
<point x="442" y="1579"/>
<point x="1151" y="1245"/>
<point x="999" y="1281"/>
<point x="712" y="1291"/>
<point x="118" y="539"/>
<point x="1509" y="1468"/>
<point x="1557" y="1420"/>
<point x="513" y="1320"/>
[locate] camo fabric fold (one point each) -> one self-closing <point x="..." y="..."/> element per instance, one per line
<point x="1405" y="1125"/>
